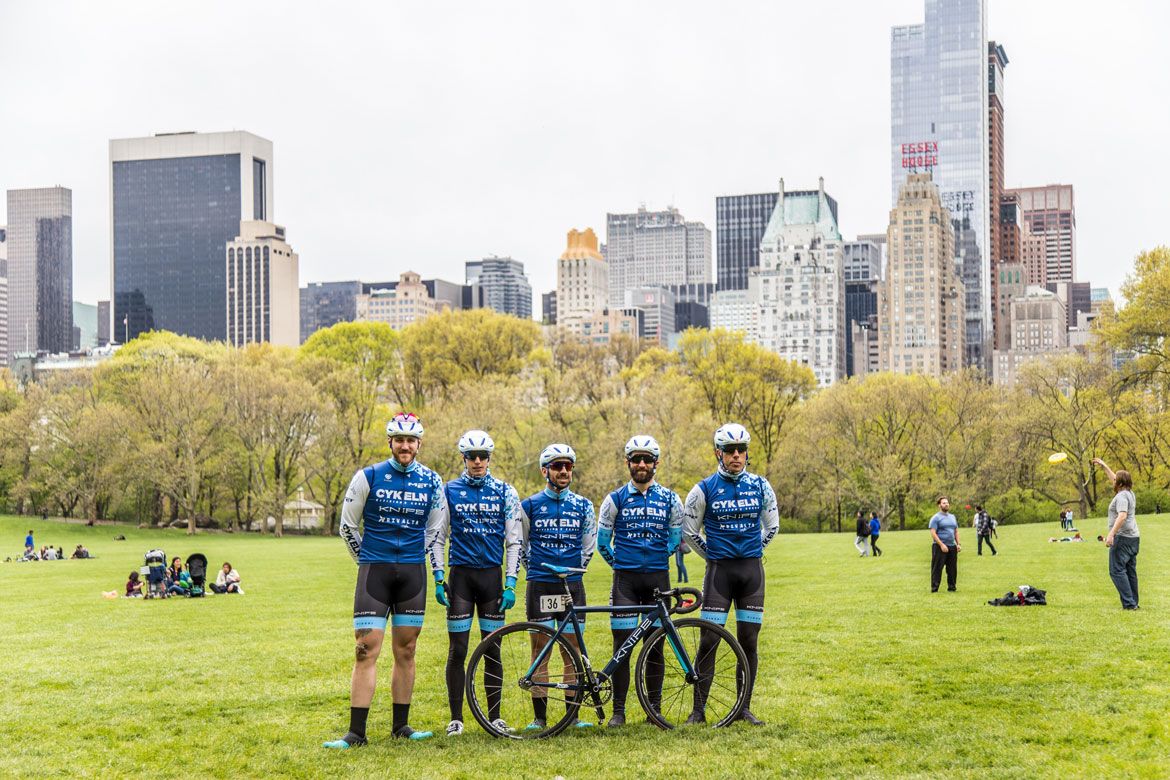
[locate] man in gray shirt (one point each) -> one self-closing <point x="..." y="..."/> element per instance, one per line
<point x="944" y="549"/>
<point x="1123" y="537"/>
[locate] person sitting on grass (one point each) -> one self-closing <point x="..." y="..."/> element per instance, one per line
<point x="180" y="585"/>
<point x="175" y="570"/>
<point x="80" y="552"/>
<point x="134" y="586"/>
<point x="49" y="554"/>
<point x="227" y="580"/>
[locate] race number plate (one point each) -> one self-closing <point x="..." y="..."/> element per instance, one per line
<point x="552" y="604"/>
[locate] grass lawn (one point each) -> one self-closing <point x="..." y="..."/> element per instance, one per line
<point x="863" y="671"/>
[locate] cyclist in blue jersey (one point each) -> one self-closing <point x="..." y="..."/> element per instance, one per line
<point x="400" y="507"/>
<point x="639" y="527"/>
<point x="485" y="533"/>
<point x="730" y="518"/>
<point x="559" y="528"/>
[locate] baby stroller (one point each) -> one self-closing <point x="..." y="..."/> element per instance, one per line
<point x="197" y="568"/>
<point x="156" y="574"/>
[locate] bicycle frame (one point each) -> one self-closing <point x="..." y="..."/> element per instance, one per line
<point x="656" y="613"/>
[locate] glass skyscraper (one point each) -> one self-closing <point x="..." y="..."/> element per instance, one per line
<point x="740" y="222"/>
<point x="178" y="199"/>
<point x="939" y="125"/>
<point x="40" y="270"/>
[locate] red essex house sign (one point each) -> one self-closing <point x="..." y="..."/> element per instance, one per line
<point x="921" y="154"/>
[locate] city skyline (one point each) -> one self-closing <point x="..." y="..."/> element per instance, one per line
<point x="414" y="157"/>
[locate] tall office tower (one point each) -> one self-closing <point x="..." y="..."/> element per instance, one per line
<point x="657" y="307"/>
<point x="407" y="302"/>
<point x="863" y="264"/>
<point x="997" y="60"/>
<point x="1077" y="297"/>
<point x="548" y="308"/>
<point x="1039" y="329"/>
<point x="582" y="278"/>
<point x="939" y="123"/>
<point x="740" y="222"/>
<point x="800" y="284"/>
<point x="104" y="316"/>
<point x="40" y="270"/>
<point x="177" y="201"/>
<point x="654" y="248"/>
<point x="324" y="304"/>
<point x="1011" y="283"/>
<point x="1099" y="298"/>
<point x="85" y="326"/>
<point x="3" y="295"/>
<point x="920" y="300"/>
<point x="263" y="291"/>
<point x="505" y="287"/>
<point x="1049" y="212"/>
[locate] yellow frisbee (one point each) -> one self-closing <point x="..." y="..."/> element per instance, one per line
<point x="1057" y="457"/>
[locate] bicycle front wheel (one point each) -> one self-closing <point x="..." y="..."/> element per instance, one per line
<point x="506" y="700"/>
<point x="718" y="688"/>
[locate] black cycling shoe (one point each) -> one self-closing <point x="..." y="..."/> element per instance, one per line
<point x="748" y="717"/>
<point x="697" y="719"/>
<point x="616" y="720"/>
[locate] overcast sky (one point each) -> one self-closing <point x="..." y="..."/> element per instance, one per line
<point x="416" y="136"/>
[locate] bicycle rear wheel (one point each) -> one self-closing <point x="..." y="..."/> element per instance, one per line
<point x="501" y="663"/>
<point x="721" y="666"/>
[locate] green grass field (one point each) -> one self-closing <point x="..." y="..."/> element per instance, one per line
<point x="863" y="671"/>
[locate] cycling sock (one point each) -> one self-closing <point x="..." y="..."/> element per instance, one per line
<point x="401" y="716"/>
<point x="540" y="707"/>
<point x="748" y="636"/>
<point x="456" y="674"/>
<point x="493" y="677"/>
<point x="357" y="721"/>
<point x="621" y="675"/>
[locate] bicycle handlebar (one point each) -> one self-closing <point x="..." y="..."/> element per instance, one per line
<point x="682" y="607"/>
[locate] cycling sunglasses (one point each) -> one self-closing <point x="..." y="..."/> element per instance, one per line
<point x="560" y="465"/>
<point x="735" y="448"/>
<point x="478" y="456"/>
<point x="646" y="459"/>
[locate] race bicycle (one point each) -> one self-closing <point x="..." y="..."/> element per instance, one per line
<point x="690" y="671"/>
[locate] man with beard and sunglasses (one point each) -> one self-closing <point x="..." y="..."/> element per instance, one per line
<point x="559" y="528"/>
<point x="485" y="534"/>
<point x="639" y="528"/>
<point x="729" y="519"/>
<point x="400" y="506"/>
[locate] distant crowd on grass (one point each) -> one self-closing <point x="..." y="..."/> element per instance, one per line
<point x="46" y="552"/>
<point x="156" y="580"/>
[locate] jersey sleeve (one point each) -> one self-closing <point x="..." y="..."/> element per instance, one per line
<point x="693" y="511"/>
<point x="525" y="531"/>
<point x="769" y="514"/>
<point x="513" y="531"/>
<point x="438" y="525"/>
<point x="588" y="534"/>
<point x="605" y="523"/>
<point x="351" y="513"/>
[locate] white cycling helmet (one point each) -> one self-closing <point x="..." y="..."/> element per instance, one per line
<point x="476" y="441"/>
<point x="643" y="444"/>
<point x="731" y="433"/>
<point x="557" y="452"/>
<point x="405" y="424"/>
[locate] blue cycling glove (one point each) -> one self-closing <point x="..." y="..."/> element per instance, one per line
<point x="605" y="544"/>
<point x="508" y="600"/>
<point x="441" y="590"/>
<point x="673" y="540"/>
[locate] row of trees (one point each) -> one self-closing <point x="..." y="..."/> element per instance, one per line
<point x="176" y="430"/>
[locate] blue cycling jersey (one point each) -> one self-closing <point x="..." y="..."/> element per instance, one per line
<point x="559" y="528"/>
<point x="731" y="516"/>
<point x="400" y="510"/>
<point x="640" y="527"/>
<point x="485" y="523"/>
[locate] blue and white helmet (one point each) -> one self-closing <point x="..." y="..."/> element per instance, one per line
<point x="731" y="433"/>
<point x="476" y="441"/>
<point x="643" y="444"/>
<point x="557" y="452"/>
<point x="405" y="424"/>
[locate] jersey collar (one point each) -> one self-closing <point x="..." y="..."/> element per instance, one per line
<point x="728" y="475"/>
<point x="476" y="481"/>
<point x="403" y="469"/>
<point x="557" y="494"/>
<point x="632" y="487"/>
